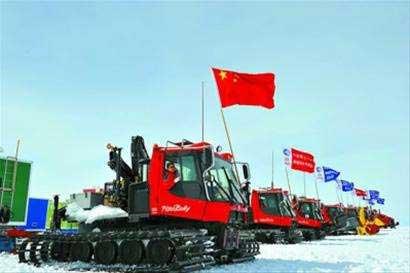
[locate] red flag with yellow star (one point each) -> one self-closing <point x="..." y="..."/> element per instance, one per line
<point x="245" y="89"/>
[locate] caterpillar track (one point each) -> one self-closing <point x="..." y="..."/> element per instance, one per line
<point x="278" y="236"/>
<point x="135" y="251"/>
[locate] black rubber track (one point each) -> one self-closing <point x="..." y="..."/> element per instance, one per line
<point x="136" y="251"/>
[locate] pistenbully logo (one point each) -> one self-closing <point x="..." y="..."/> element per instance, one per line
<point x="175" y="208"/>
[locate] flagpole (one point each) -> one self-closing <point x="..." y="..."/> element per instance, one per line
<point x="230" y="143"/>
<point x="287" y="179"/>
<point x="304" y="183"/>
<point x="203" y="111"/>
<point x="317" y="190"/>
<point x="273" y="174"/>
<point x="341" y="196"/>
<point x="337" y="193"/>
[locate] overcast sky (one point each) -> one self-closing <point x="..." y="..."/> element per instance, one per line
<point x="75" y="76"/>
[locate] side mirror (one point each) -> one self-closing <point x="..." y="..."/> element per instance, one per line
<point x="219" y="148"/>
<point x="245" y="170"/>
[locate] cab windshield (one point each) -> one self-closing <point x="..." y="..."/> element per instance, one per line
<point x="222" y="183"/>
<point x="351" y="213"/>
<point x="333" y="212"/>
<point x="276" y="204"/>
<point x="311" y="210"/>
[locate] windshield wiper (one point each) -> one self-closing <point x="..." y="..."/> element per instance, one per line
<point x="292" y="213"/>
<point x="284" y="209"/>
<point x="233" y="186"/>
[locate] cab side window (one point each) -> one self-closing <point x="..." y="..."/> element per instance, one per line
<point x="185" y="166"/>
<point x="172" y="160"/>
<point x="189" y="170"/>
<point x="189" y="180"/>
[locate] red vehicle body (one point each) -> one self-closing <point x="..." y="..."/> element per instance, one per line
<point x="263" y="217"/>
<point x="383" y="220"/>
<point x="388" y="221"/>
<point x="273" y="217"/>
<point x="329" y="212"/>
<point x="308" y="217"/>
<point x="337" y="221"/>
<point x="164" y="202"/>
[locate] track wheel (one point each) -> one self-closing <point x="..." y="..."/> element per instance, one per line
<point x="131" y="251"/>
<point x="160" y="252"/>
<point x="44" y="251"/>
<point x="81" y="251"/>
<point x="22" y="251"/>
<point x="56" y="251"/>
<point x="34" y="253"/>
<point x="105" y="252"/>
<point x="65" y="251"/>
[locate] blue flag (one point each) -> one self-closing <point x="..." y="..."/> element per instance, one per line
<point x="380" y="201"/>
<point x="330" y="174"/>
<point x="373" y="194"/>
<point x="346" y="185"/>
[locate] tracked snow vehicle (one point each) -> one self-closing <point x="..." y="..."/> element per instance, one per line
<point x="367" y="225"/>
<point x="388" y="222"/>
<point x="351" y="222"/>
<point x="334" y="219"/>
<point x="274" y="220"/>
<point x="183" y="220"/>
<point x="308" y="217"/>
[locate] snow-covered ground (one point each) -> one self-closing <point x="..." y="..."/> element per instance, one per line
<point x="388" y="251"/>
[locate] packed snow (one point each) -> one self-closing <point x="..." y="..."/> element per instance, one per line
<point x="388" y="251"/>
<point x="100" y="212"/>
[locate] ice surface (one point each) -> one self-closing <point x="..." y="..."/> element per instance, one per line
<point x="389" y="251"/>
<point x="99" y="212"/>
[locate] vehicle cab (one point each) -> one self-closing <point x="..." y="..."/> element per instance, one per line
<point x="204" y="186"/>
<point x="271" y="206"/>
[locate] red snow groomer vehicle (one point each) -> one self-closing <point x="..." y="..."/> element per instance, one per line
<point x="352" y="222"/>
<point x="308" y="217"/>
<point x="185" y="212"/>
<point x="334" y="219"/>
<point x="273" y="217"/>
<point x="388" y="221"/>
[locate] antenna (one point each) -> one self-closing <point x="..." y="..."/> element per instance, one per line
<point x="273" y="172"/>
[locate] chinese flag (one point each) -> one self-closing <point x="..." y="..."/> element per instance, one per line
<point x="245" y="89"/>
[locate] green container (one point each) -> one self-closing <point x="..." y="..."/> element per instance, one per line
<point x="15" y="197"/>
